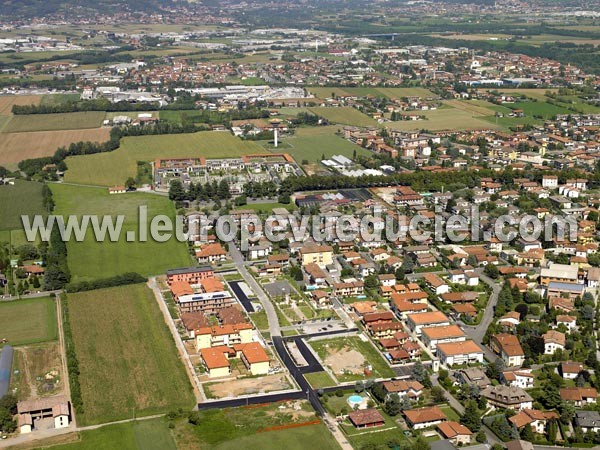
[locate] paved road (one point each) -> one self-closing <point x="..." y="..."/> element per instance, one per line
<point x="477" y="333"/>
<point x="34" y="295"/>
<point x="238" y="259"/>
<point x="491" y="437"/>
<point x="313" y="364"/>
<point x="241" y="296"/>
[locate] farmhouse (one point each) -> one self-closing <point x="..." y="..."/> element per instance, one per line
<point x="29" y="411"/>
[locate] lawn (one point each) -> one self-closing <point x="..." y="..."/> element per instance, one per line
<point x="152" y="434"/>
<point x="327" y="347"/>
<point x="53" y="122"/>
<point x="128" y="362"/>
<point x="345" y="115"/>
<point x="260" y="320"/>
<point x="90" y="259"/>
<point x="265" y="208"/>
<point x="15" y="147"/>
<point x="312" y="143"/>
<point x="113" y="168"/>
<point x="245" y="427"/>
<point x="22" y="198"/>
<point x="28" y="321"/>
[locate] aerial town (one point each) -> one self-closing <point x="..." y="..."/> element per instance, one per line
<point x="320" y="224"/>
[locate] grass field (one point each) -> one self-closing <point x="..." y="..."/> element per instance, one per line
<point x="345" y="116"/>
<point x="90" y="259"/>
<point x="53" y="122"/>
<point x="538" y="94"/>
<point x="7" y="102"/>
<point x="319" y="379"/>
<point x="22" y="198"/>
<point x="445" y="119"/>
<point x="113" y="168"/>
<point x="15" y="147"/>
<point x="127" y="358"/>
<point x="59" y="99"/>
<point x="151" y="434"/>
<point x="312" y="143"/>
<point x="392" y="93"/>
<point x="28" y="321"/>
<point x="239" y="428"/>
<point x="543" y="109"/>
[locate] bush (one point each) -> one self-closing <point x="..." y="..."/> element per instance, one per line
<point x="118" y="280"/>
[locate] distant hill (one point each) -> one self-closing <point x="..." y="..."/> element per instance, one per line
<point x="39" y="8"/>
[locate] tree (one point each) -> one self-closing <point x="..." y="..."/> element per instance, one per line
<point x="480" y="437"/>
<point x="526" y="433"/>
<point x="130" y="183"/>
<point x="392" y="405"/>
<point x="408" y="265"/>
<point x="420" y="444"/>
<point x="378" y="391"/>
<point x="492" y="271"/>
<point x="176" y="191"/>
<point x="420" y="374"/>
<point x="471" y="417"/>
<point x="437" y="394"/>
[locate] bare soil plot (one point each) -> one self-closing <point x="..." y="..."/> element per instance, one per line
<point x="247" y="386"/>
<point x="345" y="360"/>
<point x="15" y="147"/>
<point x="7" y="102"/>
<point x="40" y="371"/>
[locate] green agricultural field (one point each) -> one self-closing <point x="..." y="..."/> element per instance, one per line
<point x="59" y="99"/>
<point x="345" y="115"/>
<point x="89" y="259"/>
<point x="28" y="321"/>
<point x="3" y="121"/>
<point x="290" y="439"/>
<point x="312" y="143"/>
<point x="444" y="119"/>
<point x="22" y="198"/>
<point x="151" y="434"/>
<point x="53" y="122"/>
<point x="113" y="168"/>
<point x="542" y="109"/>
<point x="392" y="93"/>
<point x="127" y="359"/>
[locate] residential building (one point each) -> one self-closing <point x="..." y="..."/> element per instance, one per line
<point x="535" y="418"/>
<point x="553" y="341"/>
<point x="458" y="353"/>
<point x="456" y="433"/>
<point x="191" y="275"/>
<point x="507" y="397"/>
<point x="424" y="417"/>
<point x="432" y="336"/>
<point x="366" y="418"/>
<point x="322" y="255"/>
<point x="579" y="396"/>
<point x="416" y="322"/>
<point x="508" y="347"/>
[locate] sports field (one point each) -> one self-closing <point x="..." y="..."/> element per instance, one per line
<point x="113" y="168"/>
<point x="127" y="359"/>
<point x="15" y="147"/>
<point x="53" y="122"/>
<point x="22" y="198"/>
<point x="151" y="434"/>
<point x="89" y="259"/>
<point x="7" y="102"/>
<point x="345" y="115"/>
<point x="28" y="321"/>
